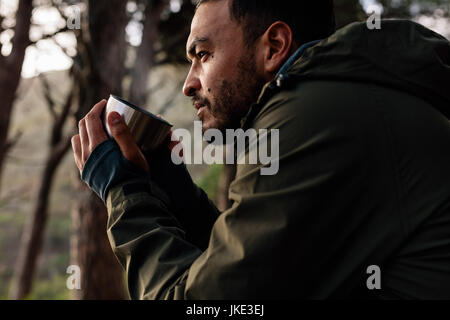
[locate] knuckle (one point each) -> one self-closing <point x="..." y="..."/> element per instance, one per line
<point x="90" y="116"/>
<point x="96" y="109"/>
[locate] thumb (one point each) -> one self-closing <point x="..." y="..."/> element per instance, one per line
<point x="121" y="133"/>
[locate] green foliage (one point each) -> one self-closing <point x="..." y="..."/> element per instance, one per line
<point x="51" y="289"/>
<point x="49" y="282"/>
<point x="4" y="284"/>
<point x="210" y="181"/>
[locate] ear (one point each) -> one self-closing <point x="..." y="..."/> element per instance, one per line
<point x="278" y="45"/>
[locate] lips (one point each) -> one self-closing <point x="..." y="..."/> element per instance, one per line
<point x="200" y="111"/>
<point x="198" y="106"/>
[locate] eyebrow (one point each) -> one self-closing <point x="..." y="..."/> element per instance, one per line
<point x="193" y="46"/>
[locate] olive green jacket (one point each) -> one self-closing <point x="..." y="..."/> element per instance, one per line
<point x="363" y="180"/>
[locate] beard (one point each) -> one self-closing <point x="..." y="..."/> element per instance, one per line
<point x="234" y="97"/>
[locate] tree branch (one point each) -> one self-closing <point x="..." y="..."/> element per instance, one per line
<point x="57" y="7"/>
<point x="145" y="53"/>
<point x="13" y="141"/>
<point x="50" y="35"/>
<point x="1" y="23"/>
<point x="58" y="119"/>
<point x="13" y="195"/>
<point x="48" y="97"/>
<point x="21" y="38"/>
<point x="61" y="119"/>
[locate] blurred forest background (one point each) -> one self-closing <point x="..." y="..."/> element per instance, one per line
<point x="58" y="58"/>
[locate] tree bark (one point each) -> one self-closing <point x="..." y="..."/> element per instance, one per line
<point x="10" y="71"/>
<point x="145" y="54"/>
<point x="99" y="70"/>
<point x="33" y="233"/>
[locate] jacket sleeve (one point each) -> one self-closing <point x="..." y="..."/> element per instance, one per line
<point x="106" y="167"/>
<point x="190" y="204"/>
<point x="148" y="240"/>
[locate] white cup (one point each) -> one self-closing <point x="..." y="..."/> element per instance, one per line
<point x="148" y="130"/>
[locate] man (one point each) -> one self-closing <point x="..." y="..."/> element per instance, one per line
<point x="360" y="206"/>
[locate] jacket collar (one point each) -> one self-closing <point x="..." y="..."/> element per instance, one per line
<point x="297" y="54"/>
<point x="277" y="82"/>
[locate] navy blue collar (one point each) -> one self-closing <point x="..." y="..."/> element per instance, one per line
<point x="295" y="56"/>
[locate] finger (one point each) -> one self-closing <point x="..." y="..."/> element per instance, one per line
<point x="94" y="126"/>
<point x="84" y="141"/>
<point x="128" y="146"/>
<point x="97" y="109"/>
<point x="76" y="146"/>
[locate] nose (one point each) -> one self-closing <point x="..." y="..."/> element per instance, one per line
<point x="192" y="84"/>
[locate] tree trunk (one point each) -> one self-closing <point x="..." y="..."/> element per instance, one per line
<point x="33" y="233"/>
<point x="10" y="71"/>
<point x="144" y="60"/>
<point x="99" y="70"/>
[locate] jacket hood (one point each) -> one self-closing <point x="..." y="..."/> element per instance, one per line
<point x="402" y="55"/>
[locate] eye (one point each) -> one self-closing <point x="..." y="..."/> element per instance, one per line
<point x="202" y="54"/>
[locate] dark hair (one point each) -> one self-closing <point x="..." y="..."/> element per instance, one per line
<point x="309" y="19"/>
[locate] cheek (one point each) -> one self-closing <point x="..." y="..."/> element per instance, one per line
<point x="214" y="73"/>
<point x="209" y="83"/>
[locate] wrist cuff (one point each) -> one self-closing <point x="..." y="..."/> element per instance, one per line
<point x="107" y="167"/>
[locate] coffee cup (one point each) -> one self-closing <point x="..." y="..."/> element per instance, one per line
<point x="148" y="130"/>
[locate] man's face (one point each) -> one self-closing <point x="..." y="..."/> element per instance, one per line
<point x="223" y="80"/>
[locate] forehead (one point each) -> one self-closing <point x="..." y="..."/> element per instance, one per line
<point x="212" y="21"/>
